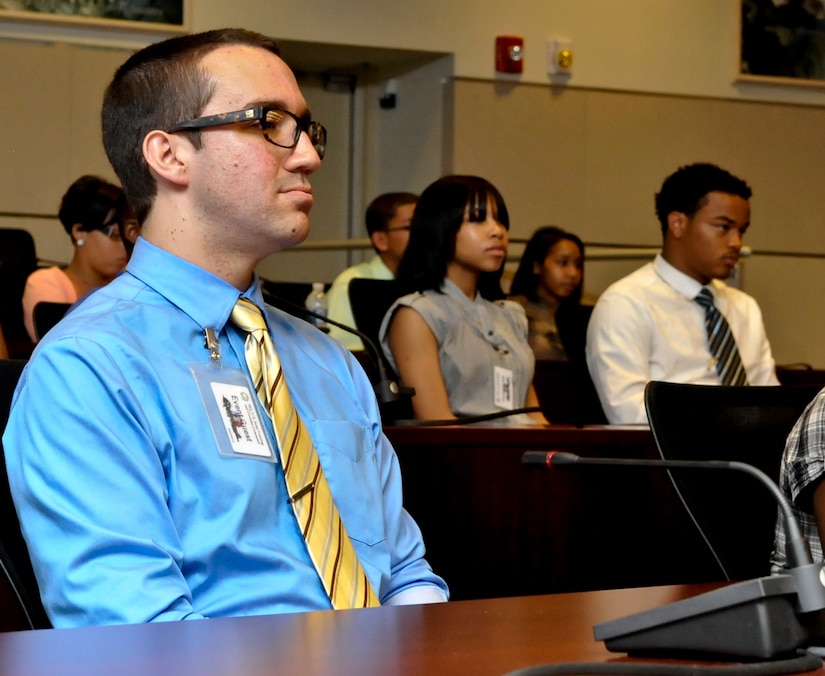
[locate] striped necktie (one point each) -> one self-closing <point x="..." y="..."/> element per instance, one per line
<point x="721" y="342"/>
<point x="329" y="545"/>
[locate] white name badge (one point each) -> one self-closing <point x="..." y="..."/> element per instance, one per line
<point x="503" y="387"/>
<point x="232" y="409"/>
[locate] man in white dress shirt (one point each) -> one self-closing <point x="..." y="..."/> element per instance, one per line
<point x="388" y="226"/>
<point x="648" y="325"/>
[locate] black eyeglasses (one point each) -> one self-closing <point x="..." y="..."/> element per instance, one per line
<point x="280" y="127"/>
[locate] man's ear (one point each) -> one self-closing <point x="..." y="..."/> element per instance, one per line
<point x="168" y="156"/>
<point x="677" y="223"/>
<point x="379" y="240"/>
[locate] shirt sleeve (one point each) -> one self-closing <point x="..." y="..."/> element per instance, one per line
<point x="417" y="596"/>
<point x="803" y="463"/>
<point x="763" y="369"/>
<point x="618" y="344"/>
<point x="72" y="455"/>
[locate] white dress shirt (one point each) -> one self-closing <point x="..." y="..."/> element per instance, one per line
<point x="647" y="326"/>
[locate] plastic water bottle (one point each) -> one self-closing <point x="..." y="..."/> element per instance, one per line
<point x="317" y="302"/>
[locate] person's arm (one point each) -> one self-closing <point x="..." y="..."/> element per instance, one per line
<point x="618" y="354"/>
<point x="4" y="352"/>
<point x="412" y="580"/>
<point x="763" y="371"/>
<point x="415" y="350"/>
<point x="368" y="488"/>
<point x="531" y="401"/>
<point x="803" y="464"/>
<point x="91" y="494"/>
<point x="819" y="508"/>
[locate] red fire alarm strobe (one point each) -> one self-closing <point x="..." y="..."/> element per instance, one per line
<point x="509" y="54"/>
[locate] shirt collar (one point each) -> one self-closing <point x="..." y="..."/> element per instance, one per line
<point x="451" y="289"/>
<point x="379" y="268"/>
<point x="206" y="298"/>
<point x="676" y="279"/>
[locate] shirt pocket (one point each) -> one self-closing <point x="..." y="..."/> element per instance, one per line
<point x="348" y="457"/>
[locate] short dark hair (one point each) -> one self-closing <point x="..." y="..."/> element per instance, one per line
<point x="155" y="88"/>
<point x="384" y="207"/>
<point x="438" y="216"/>
<point x="89" y="201"/>
<point x="526" y="281"/>
<point x="686" y="190"/>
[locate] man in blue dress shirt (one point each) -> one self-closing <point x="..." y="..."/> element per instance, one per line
<point x="136" y="502"/>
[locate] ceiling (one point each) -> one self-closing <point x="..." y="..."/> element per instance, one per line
<point x="365" y="63"/>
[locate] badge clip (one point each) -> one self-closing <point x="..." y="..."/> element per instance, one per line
<point x="211" y="343"/>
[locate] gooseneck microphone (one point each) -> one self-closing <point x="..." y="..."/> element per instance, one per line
<point x="759" y="618"/>
<point x="387" y="390"/>
<point x="799" y="553"/>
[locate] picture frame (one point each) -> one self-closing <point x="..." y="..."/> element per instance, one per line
<point x="146" y="16"/>
<point x="782" y="43"/>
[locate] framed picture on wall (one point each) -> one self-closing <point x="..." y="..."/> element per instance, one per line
<point x="146" y="15"/>
<point x="783" y="42"/>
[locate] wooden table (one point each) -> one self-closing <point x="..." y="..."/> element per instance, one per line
<point x="494" y="527"/>
<point x="491" y="636"/>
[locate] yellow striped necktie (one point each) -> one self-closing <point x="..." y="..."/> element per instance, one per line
<point x="329" y="546"/>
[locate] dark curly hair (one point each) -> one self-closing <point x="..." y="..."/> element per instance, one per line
<point x="686" y="190"/>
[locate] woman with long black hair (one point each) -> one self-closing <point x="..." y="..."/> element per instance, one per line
<point x="454" y="338"/>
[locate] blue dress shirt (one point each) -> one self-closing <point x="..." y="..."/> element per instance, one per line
<point x="130" y="512"/>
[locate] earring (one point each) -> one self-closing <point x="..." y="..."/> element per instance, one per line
<point x="81" y="242"/>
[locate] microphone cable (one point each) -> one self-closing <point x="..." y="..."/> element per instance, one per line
<point x="466" y="420"/>
<point x="387" y="390"/>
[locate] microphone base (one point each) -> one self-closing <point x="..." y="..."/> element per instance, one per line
<point x="755" y="619"/>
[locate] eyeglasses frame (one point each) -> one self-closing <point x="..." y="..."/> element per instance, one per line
<point x="259" y="114"/>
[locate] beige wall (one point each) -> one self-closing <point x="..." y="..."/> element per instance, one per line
<point x="592" y="160"/>
<point x="672" y="46"/>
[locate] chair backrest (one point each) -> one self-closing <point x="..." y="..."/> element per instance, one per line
<point x="17" y="261"/>
<point x="584" y="405"/>
<point x="370" y="299"/>
<point x="20" y="606"/>
<point x="735" y="514"/>
<point x="46" y="314"/>
<point x="288" y="296"/>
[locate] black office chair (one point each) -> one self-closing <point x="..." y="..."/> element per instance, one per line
<point x="370" y="299"/>
<point x="584" y="405"/>
<point x="17" y="261"/>
<point x="20" y="606"/>
<point x="46" y="314"/>
<point x="734" y="513"/>
<point x="287" y="296"/>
